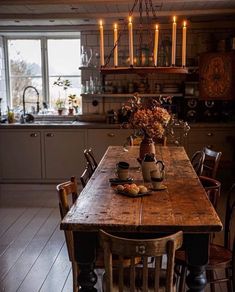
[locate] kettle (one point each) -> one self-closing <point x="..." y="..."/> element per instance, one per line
<point x="150" y="163"/>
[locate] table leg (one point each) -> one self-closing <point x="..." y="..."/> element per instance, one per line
<point x="196" y="246"/>
<point x="85" y="254"/>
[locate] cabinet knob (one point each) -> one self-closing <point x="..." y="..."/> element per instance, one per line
<point x="50" y="135"/>
<point x="209" y="134"/>
<point x="33" y="135"/>
<point x="111" y="134"/>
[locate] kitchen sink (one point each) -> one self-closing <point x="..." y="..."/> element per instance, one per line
<point x="53" y="122"/>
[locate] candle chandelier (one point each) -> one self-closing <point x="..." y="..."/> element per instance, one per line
<point x="146" y="57"/>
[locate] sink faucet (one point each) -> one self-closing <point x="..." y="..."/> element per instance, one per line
<point x="27" y="87"/>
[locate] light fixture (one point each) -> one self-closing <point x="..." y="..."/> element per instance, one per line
<point x="148" y="31"/>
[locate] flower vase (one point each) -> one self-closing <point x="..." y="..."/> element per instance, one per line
<point x="147" y="145"/>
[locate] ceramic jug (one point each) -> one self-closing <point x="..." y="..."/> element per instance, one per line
<point x="150" y="163"/>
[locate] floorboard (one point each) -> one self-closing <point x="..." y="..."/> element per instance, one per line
<point x="33" y="253"/>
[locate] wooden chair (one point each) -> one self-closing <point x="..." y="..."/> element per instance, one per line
<point x="67" y="193"/>
<point x="211" y="162"/>
<point x="197" y="161"/>
<point x="221" y="257"/>
<point x="212" y="188"/>
<point x="90" y="158"/>
<point x="135" y="277"/>
<point x="84" y="178"/>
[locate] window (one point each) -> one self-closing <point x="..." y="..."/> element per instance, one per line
<point x="39" y="62"/>
<point x="24" y="69"/>
<point x="64" y="66"/>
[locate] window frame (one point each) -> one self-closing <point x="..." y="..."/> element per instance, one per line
<point x="44" y="62"/>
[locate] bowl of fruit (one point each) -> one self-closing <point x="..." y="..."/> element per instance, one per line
<point x="132" y="190"/>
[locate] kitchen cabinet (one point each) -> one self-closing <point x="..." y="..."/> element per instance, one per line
<point x="100" y="139"/>
<point x="217" y="138"/>
<point x="64" y="153"/>
<point x="216" y="76"/>
<point x="20" y="155"/>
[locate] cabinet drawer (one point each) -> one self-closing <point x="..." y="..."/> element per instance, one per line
<point x="100" y="139"/>
<point x="209" y="136"/>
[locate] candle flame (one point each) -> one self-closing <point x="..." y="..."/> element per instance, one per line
<point x="174" y="19"/>
<point x="101" y="22"/>
<point x="115" y="26"/>
<point x="184" y="23"/>
<point x="156" y="26"/>
<point x="130" y="19"/>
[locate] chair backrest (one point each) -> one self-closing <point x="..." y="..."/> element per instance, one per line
<point x="229" y="226"/>
<point x="211" y="162"/>
<point x="197" y="161"/>
<point x="212" y="188"/>
<point x="139" y="276"/>
<point x="84" y="178"/>
<point x="67" y="193"/>
<point x="90" y="158"/>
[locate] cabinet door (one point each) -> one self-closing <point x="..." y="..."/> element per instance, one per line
<point x="20" y="152"/>
<point x="64" y="153"/>
<point x="218" y="139"/>
<point x="100" y="139"/>
<point x="216" y="72"/>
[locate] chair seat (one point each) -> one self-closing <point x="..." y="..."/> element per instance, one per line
<point x="219" y="257"/>
<point x="139" y="280"/>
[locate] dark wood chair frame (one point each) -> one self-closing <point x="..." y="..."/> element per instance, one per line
<point x="220" y="256"/>
<point x="90" y="158"/>
<point x="197" y="161"/>
<point x="86" y="175"/>
<point x="212" y="188"/>
<point x="211" y="162"/>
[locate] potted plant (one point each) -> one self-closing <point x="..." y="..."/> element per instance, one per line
<point x="60" y="106"/>
<point x="72" y="103"/>
<point x="63" y="84"/>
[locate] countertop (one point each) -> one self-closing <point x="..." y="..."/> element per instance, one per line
<point x="94" y="125"/>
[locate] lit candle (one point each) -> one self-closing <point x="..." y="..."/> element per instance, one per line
<point x="115" y="39"/>
<point x="173" y="42"/>
<point x="155" y="52"/>
<point x="101" y="44"/>
<point x="131" y="55"/>
<point x="184" y="44"/>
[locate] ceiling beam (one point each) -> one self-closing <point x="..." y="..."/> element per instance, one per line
<point x="111" y="15"/>
<point x="77" y="2"/>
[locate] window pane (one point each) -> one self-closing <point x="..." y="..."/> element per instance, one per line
<point x="63" y="56"/>
<point x="25" y="70"/>
<point x="63" y="63"/>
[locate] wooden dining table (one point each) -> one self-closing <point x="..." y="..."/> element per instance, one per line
<point x="183" y="205"/>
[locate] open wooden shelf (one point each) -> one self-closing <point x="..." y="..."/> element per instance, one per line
<point x="143" y="70"/>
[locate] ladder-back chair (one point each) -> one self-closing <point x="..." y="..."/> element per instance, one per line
<point x="141" y="276"/>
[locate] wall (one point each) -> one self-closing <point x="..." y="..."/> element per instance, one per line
<point x="200" y="38"/>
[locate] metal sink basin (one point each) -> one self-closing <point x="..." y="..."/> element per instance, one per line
<point x="53" y="122"/>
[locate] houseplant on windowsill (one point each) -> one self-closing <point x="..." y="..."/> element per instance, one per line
<point x="63" y="84"/>
<point x="60" y="104"/>
<point x="73" y="103"/>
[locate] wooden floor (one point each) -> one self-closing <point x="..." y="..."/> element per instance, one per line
<point x="33" y="254"/>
